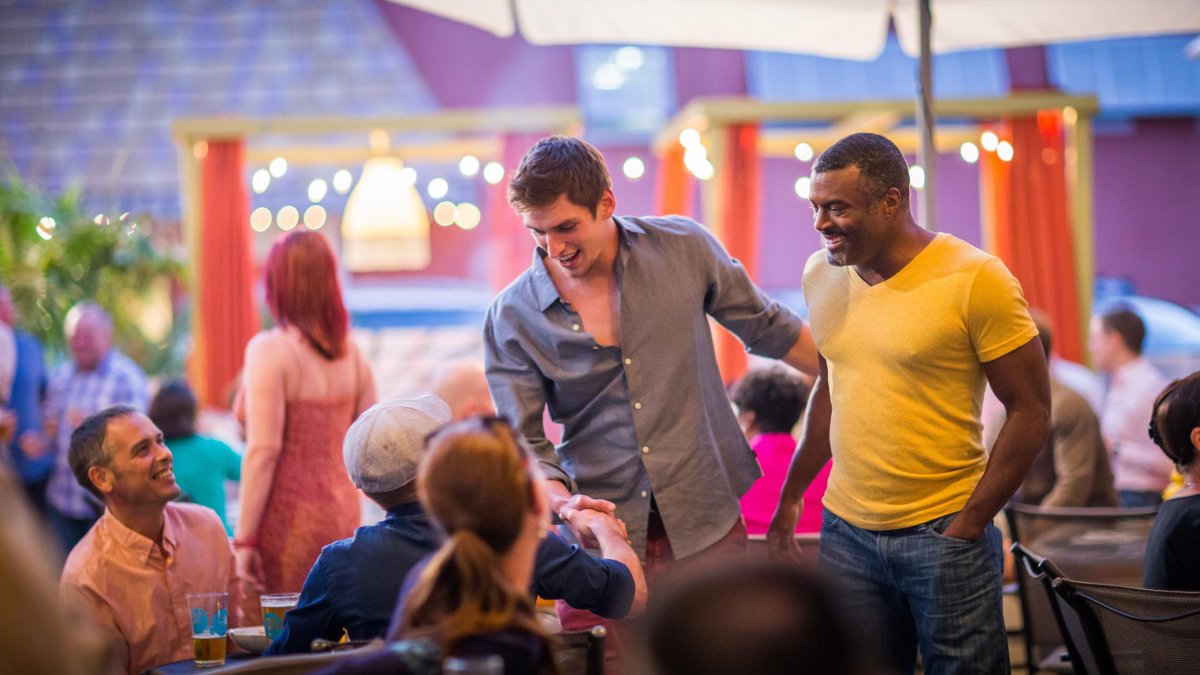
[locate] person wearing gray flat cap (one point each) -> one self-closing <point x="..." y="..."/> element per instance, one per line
<point x="355" y="584"/>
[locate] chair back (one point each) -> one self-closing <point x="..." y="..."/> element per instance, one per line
<point x="1134" y="630"/>
<point x="1049" y="645"/>
<point x="1094" y="544"/>
<point x="581" y="652"/>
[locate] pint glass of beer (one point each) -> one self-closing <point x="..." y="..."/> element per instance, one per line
<point x="210" y="623"/>
<point x="274" y="606"/>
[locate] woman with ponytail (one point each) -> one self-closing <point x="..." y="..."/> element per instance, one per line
<point x="471" y="597"/>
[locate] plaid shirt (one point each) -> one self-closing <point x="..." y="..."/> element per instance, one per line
<point x="74" y="395"/>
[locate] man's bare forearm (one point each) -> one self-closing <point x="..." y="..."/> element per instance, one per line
<point x="614" y="546"/>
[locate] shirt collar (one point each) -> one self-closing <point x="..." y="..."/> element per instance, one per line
<point x="138" y="545"/>
<point x="402" y="510"/>
<point x="544" y="290"/>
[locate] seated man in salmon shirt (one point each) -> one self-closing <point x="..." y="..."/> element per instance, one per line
<point x="133" y="570"/>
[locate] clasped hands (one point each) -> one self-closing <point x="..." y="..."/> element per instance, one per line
<point x="591" y="519"/>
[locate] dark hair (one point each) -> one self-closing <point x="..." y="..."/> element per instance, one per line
<point x="775" y="395"/>
<point x="556" y="166"/>
<point x="173" y="410"/>
<point x="87" y="445"/>
<point x="881" y="165"/>
<point x="1124" y="322"/>
<point x="1176" y="412"/>
<point x="755" y="618"/>
<point x="475" y="481"/>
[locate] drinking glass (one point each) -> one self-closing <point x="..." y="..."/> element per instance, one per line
<point x="274" y="607"/>
<point x="210" y="623"/>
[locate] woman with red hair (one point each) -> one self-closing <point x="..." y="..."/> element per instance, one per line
<point x="304" y="383"/>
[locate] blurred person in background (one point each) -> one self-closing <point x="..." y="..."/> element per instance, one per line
<point x="1073" y="467"/>
<point x="303" y="384"/>
<point x="38" y="635"/>
<point x="758" y="618"/>
<point x="133" y="570"/>
<point x="769" y="403"/>
<point x="1173" y="550"/>
<point x="27" y="447"/>
<point x="463" y="386"/>
<point x="8" y="346"/>
<point x="202" y="464"/>
<point x="97" y="376"/>
<point x="1139" y="469"/>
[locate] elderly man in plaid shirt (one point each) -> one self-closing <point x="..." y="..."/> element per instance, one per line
<point x="98" y="376"/>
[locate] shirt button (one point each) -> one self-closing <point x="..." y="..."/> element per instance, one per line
<point x="629" y="362"/>
<point x="574" y="326"/>
<point x="637" y="405"/>
<point x="645" y="449"/>
<point x="643" y="493"/>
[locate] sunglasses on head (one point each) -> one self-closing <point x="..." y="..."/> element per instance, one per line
<point x="493" y="424"/>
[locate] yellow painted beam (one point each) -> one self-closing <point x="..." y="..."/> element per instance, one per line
<point x="1080" y="158"/>
<point x="782" y="142"/>
<point x="706" y="113"/>
<point x="478" y="120"/>
<point x="449" y="150"/>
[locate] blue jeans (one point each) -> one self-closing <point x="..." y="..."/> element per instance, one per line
<point x="915" y="586"/>
<point x="1134" y="498"/>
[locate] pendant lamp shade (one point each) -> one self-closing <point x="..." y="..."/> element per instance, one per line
<point x="385" y="226"/>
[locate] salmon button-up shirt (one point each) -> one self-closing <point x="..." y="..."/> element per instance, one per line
<point x="138" y="591"/>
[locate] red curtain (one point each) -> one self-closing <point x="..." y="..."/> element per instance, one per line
<point x="225" y="306"/>
<point x="674" y="188"/>
<point x="739" y="187"/>
<point x="1026" y="211"/>
<point x="510" y="246"/>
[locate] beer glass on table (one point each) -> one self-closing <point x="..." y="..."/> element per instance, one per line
<point x="274" y="607"/>
<point x="210" y="623"/>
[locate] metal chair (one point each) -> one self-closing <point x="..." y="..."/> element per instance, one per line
<point x="1041" y="618"/>
<point x="1093" y="544"/>
<point x="1133" y="630"/>
<point x="581" y="652"/>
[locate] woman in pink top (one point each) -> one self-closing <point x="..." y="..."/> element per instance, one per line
<point x="769" y="403"/>
<point x="304" y="383"/>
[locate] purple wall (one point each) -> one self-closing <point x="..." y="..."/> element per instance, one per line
<point x="466" y="67"/>
<point x="1147" y="190"/>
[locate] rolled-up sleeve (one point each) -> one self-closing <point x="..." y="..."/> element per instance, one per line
<point x="565" y="572"/>
<point x="519" y="392"/>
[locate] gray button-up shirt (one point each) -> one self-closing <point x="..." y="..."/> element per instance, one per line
<point x="649" y="418"/>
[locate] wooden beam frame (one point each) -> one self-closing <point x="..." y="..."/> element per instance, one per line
<point x="710" y="116"/>
<point x="467" y="131"/>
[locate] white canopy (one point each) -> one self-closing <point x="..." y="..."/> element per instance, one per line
<point x="848" y="29"/>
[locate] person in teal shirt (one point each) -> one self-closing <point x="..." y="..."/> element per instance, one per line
<point x="202" y="464"/>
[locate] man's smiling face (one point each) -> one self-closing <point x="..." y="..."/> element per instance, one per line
<point x="571" y="235"/>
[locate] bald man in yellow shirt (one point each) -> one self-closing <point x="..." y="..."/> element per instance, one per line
<point x="909" y="325"/>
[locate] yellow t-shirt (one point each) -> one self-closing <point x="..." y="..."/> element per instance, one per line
<point x="906" y="378"/>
